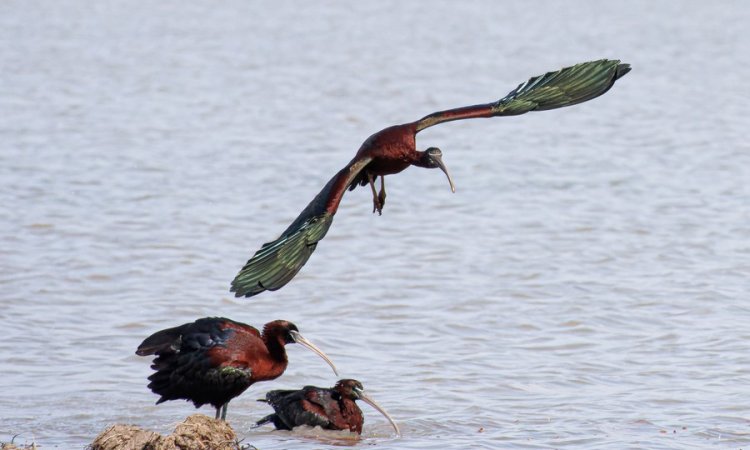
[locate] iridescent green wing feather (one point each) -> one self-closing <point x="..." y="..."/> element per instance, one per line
<point x="278" y="261"/>
<point x="565" y="87"/>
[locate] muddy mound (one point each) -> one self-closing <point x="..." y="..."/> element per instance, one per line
<point x="12" y="446"/>
<point x="197" y="432"/>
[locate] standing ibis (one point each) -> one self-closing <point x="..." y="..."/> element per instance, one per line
<point x="213" y="360"/>
<point x="330" y="409"/>
<point x="393" y="149"/>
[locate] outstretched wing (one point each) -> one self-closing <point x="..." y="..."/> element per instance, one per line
<point x="568" y="86"/>
<point x="277" y="262"/>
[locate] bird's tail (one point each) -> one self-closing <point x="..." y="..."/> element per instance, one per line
<point x="275" y="420"/>
<point x="263" y="421"/>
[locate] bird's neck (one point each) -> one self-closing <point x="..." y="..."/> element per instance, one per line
<point x="420" y="160"/>
<point x="276" y="349"/>
<point x="351" y="413"/>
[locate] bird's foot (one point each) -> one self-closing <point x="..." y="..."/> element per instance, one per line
<point x="377" y="205"/>
<point x="381" y="200"/>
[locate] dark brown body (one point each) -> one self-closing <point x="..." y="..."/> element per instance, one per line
<point x="391" y="150"/>
<point x="386" y="152"/>
<point x="214" y="359"/>
<point x="328" y="408"/>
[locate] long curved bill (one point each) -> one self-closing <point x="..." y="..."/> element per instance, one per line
<point x="441" y="164"/>
<point x="365" y="398"/>
<point x="304" y="342"/>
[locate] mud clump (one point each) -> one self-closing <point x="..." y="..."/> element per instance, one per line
<point x="12" y="446"/>
<point x="197" y="432"/>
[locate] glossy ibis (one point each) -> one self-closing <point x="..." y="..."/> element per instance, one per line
<point x="330" y="409"/>
<point x="213" y="360"/>
<point x="393" y="149"/>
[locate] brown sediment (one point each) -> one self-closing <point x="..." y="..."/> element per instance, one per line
<point x="12" y="446"/>
<point x="197" y="432"/>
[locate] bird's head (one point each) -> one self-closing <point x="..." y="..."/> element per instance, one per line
<point x="287" y="330"/>
<point x="353" y="389"/>
<point x="433" y="158"/>
<point x="288" y="333"/>
<point x="349" y="388"/>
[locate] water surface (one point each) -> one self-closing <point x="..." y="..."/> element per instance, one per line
<point x="586" y="287"/>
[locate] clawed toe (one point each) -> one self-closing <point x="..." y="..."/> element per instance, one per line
<point x="377" y="206"/>
<point x="381" y="201"/>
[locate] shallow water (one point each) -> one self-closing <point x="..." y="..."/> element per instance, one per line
<point x="586" y="287"/>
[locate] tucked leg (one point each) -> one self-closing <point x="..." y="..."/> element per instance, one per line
<point x="381" y="194"/>
<point x="376" y="205"/>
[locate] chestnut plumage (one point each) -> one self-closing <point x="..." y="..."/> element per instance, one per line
<point x="393" y="149"/>
<point x="214" y="359"/>
<point x="329" y="408"/>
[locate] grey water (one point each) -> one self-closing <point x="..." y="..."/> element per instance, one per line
<point x="587" y="286"/>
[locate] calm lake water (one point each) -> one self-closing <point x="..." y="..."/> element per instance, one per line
<point x="587" y="285"/>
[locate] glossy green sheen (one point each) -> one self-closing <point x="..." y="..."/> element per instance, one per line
<point x="278" y="261"/>
<point x="565" y="87"/>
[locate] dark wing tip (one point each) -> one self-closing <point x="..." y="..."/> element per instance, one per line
<point x="244" y="289"/>
<point x="269" y="418"/>
<point x="161" y="342"/>
<point x="565" y="87"/>
<point x="277" y="262"/>
<point x="144" y="351"/>
<point x="622" y="69"/>
<point x="170" y="340"/>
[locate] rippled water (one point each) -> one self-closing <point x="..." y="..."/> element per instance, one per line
<point x="586" y="287"/>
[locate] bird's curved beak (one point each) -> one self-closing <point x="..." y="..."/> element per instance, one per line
<point x="365" y="398"/>
<point x="298" y="339"/>
<point x="441" y="164"/>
